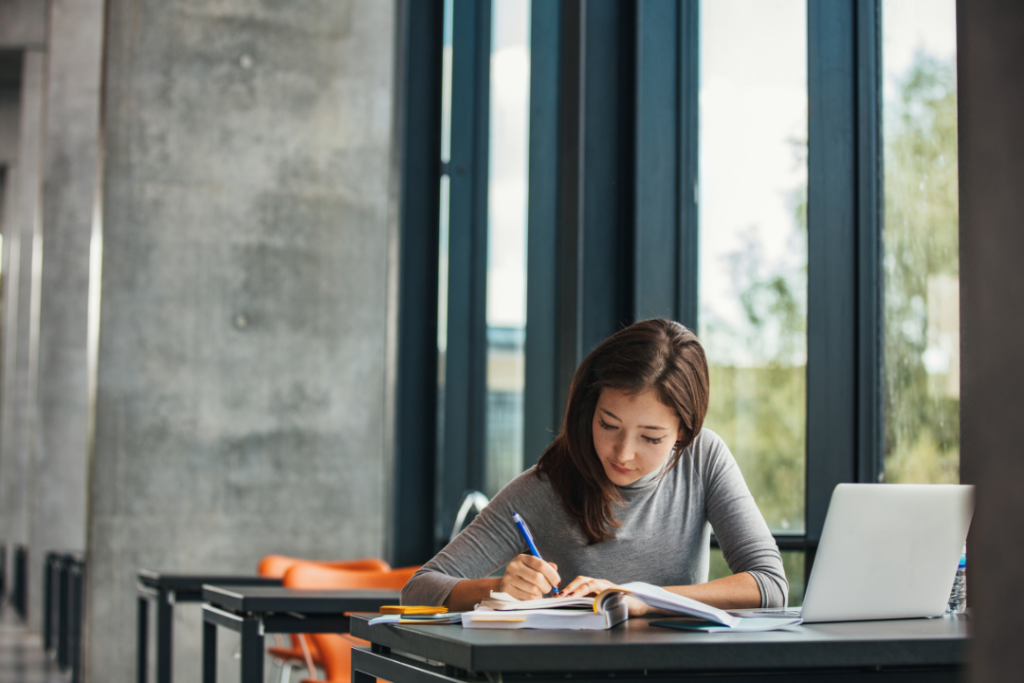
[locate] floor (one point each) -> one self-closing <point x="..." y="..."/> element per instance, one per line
<point x="22" y="659"/>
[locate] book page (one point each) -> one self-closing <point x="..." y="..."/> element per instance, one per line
<point x="504" y="601"/>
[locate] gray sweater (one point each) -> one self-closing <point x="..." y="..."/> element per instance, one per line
<point x="663" y="540"/>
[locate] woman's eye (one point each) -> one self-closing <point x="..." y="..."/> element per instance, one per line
<point x="654" y="441"/>
<point x="604" y="424"/>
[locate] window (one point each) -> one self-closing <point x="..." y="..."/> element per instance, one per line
<point x="506" y="243"/>
<point x="922" y="323"/>
<point x="481" y="263"/>
<point x="780" y="175"/>
<point x="752" y="287"/>
<point x="753" y="243"/>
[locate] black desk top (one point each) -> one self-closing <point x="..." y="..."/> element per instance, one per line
<point x="276" y="599"/>
<point x="194" y="582"/>
<point x="636" y="645"/>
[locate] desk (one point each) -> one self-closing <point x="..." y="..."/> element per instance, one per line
<point x="918" y="650"/>
<point x="254" y="611"/>
<point x="167" y="589"/>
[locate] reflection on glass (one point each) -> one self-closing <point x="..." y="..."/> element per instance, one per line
<point x="753" y="242"/>
<point x="506" y="262"/>
<point x="922" y="324"/>
<point x="442" y="257"/>
<point x="792" y="564"/>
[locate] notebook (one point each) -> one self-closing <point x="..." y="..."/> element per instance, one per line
<point x="604" y="611"/>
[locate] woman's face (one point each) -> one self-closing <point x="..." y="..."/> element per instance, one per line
<point x="633" y="435"/>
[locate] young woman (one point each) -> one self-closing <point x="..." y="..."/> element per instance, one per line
<point x="628" y="491"/>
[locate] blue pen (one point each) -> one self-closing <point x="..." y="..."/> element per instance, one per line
<point x="528" y="537"/>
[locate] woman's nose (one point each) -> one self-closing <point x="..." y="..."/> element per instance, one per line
<point x="623" y="452"/>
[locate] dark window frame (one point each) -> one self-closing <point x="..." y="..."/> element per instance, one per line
<point x="610" y="83"/>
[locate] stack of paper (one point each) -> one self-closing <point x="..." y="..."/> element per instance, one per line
<point x="592" y="616"/>
<point x="418" y="619"/>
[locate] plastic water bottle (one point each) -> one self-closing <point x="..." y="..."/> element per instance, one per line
<point x="958" y="596"/>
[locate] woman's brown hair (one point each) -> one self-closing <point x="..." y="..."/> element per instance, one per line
<point x="657" y="354"/>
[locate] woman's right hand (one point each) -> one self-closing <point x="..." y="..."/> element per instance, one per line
<point x="529" y="578"/>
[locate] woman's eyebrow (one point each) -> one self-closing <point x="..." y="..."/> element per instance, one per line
<point x="613" y="415"/>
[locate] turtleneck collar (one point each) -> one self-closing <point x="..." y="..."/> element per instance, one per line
<point x="647" y="480"/>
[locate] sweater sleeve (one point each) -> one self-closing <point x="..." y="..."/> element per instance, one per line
<point x="487" y="544"/>
<point x="747" y="543"/>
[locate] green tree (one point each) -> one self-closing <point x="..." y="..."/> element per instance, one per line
<point x="758" y="404"/>
<point x="921" y="252"/>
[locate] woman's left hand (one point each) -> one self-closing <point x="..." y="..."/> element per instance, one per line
<point x="584" y="585"/>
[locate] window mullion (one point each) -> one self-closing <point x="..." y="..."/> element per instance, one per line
<point x="465" y="371"/>
<point x="832" y="204"/>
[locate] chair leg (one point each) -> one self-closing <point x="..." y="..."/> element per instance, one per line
<point x="286" y="672"/>
<point x="307" y="655"/>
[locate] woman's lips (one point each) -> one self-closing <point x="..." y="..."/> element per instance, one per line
<point x="620" y="470"/>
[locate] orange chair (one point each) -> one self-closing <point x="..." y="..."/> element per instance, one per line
<point x="276" y="566"/>
<point x="336" y="649"/>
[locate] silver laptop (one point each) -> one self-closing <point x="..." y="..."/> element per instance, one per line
<point x="887" y="551"/>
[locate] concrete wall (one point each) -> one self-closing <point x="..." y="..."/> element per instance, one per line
<point x="70" y="158"/>
<point x="991" y="108"/>
<point x="21" y="261"/>
<point x="239" y="400"/>
<point x="49" y="125"/>
<point x="23" y="23"/>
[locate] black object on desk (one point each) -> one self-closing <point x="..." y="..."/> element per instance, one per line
<point x="906" y="650"/>
<point x="255" y="611"/>
<point x="167" y="589"/>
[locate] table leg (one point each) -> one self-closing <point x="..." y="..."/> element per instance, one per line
<point x="142" y="640"/>
<point x="209" y="652"/>
<point x="360" y="677"/>
<point x="164" y="632"/>
<point x="77" y="600"/>
<point x="47" y="605"/>
<point x="252" y="651"/>
<point x="62" y="616"/>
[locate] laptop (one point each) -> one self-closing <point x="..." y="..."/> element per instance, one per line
<point x="887" y="551"/>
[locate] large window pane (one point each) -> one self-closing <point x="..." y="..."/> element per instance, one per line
<point x="506" y="263"/>
<point x="753" y="242"/>
<point x="922" y="326"/>
<point x="792" y="564"/>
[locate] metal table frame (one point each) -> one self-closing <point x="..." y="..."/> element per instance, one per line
<point x="166" y="589"/>
<point x="254" y="612"/>
<point x="63" y="599"/>
<point x="637" y="653"/>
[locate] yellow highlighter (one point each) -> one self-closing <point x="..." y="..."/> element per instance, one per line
<point x="412" y="609"/>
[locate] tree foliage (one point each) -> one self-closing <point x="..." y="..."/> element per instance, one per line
<point x="922" y="404"/>
<point x="759" y="406"/>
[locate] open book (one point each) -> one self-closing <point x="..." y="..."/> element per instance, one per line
<point x="604" y="611"/>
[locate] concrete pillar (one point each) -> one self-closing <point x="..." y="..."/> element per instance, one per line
<point x="69" y="189"/>
<point x="990" y="78"/>
<point x="22" y="258"/>
<point x="23" y="24"/>
<point x="239" y="397"/>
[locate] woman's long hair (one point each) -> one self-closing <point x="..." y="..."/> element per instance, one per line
<point x="657" y="354"/>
